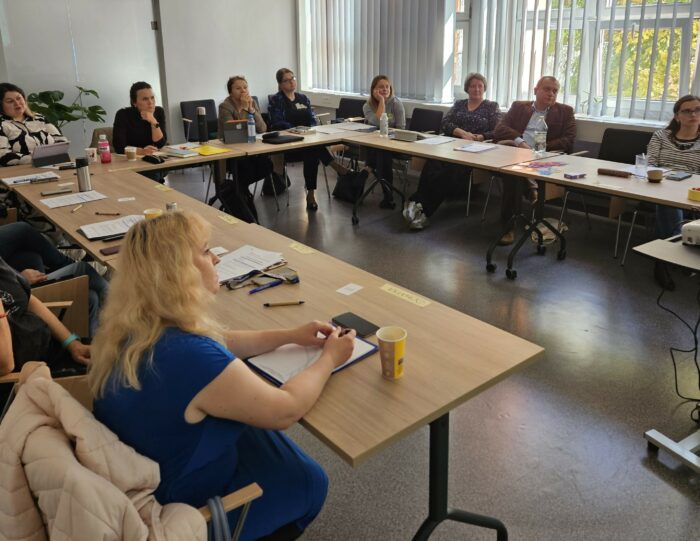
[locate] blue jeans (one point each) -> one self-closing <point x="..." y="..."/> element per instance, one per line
<point x="23" y="247"/>
<point x="668" y="221"/>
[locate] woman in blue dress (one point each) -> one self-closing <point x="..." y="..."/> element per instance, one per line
<point x="168" y="381"/>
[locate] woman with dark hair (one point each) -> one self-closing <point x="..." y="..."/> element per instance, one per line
<point x="236" y="195"/>
<point x="21" y="130"/>
<point x="289" y="108"/>
<point x="675" y="147"/>
<point x="473" y="119"/>
<point x="382" y="100"/>
<point x="142" y="125"/>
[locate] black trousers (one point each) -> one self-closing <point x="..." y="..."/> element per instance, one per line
<point x="311" y="158"/>
<point x="381" y="162"/>
<point x="439" y="181"/>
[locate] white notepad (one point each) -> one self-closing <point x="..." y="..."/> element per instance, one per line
<point x="73" y="199"/>
<point x="285" y="362"/>
<point x="110" y="228"/>
<point x="476" y="147"/>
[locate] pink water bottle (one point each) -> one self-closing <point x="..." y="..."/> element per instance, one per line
<point x="103" y="149"/>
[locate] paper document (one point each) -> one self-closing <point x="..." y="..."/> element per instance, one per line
<point x="436" y="140"/>
<point x="109" y="228"/>
<point x="245" y="260"/>
<point x="27" y="179"/>
<point x="208" y="150"/>
<point x="329" y="128"/>
<point x="72" y="199"/>
<point x="476" y="147"/>
<point x="287" y="361"/>
<point x="355" y="126"/>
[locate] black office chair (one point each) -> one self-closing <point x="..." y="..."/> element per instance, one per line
<point x="189" y="112"/>
<point x="424" y="121"/>
<point x="349" y="109"/>
<point x="622" y="146"/>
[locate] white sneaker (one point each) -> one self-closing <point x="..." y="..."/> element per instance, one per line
<point x="409" y="213"/>
<point x="420" y="221"/>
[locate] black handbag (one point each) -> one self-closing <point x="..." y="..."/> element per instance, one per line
<point x="350" y="187"/>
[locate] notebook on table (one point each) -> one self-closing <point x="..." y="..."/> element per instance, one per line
<point x="285" y="362"/>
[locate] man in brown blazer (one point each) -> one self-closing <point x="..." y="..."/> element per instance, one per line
<point x="517" y="128"/>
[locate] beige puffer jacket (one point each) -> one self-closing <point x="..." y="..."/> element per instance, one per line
<point x="64" y="475"/>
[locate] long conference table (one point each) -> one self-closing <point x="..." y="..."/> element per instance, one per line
<point x="451" y="356"/>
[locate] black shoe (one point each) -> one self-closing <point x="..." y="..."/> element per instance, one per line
<point x="387" y="203"/>
<point x="663" y="276"/>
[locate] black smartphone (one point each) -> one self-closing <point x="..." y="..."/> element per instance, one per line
<point x="348" y="320"/>
<point x="678" y="175"/>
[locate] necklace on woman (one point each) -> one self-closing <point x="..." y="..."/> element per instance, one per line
<point x="685" y="144"/>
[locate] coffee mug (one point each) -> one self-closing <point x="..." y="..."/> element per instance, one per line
<point x="655" y="175"/>
<point x="91" y="155"/>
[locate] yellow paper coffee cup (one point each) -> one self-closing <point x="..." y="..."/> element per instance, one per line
<point x="392" y="351"/>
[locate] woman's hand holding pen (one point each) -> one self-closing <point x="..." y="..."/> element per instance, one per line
<point x="339" y="345"/>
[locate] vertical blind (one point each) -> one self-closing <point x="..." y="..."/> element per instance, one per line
<point x="621" y="58"/>
<point x="345" y="43"/>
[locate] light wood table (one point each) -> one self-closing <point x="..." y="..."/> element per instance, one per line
<point x="674" y="252"/>
<point x="450" y="358"/>
<point x="119" y="185"/>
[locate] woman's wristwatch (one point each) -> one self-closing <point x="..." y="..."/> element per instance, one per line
<point x="156" y="125"/>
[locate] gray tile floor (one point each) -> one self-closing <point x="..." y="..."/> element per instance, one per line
<point x="556" y="450"/>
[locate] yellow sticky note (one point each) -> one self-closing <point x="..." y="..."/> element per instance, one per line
<point x="162" y="187"/>
<point x="229" y="219"/>
<point x="302" y="249"/>
<point x="405" y="295"/>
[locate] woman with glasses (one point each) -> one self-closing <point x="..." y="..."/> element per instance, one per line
<point x="675" y="147"/>
<point x="289" y="108"/>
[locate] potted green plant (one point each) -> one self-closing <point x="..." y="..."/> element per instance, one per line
<point x="49" y="103"/>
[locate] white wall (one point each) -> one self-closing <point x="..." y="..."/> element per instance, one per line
<point x="97" y="44"/>
<point x="206" y="42"/>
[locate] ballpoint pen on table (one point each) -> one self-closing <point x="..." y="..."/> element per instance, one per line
<point x="77" y="208"/>
<point x="108" y="213"/>
<point x="266" y="286"/>
<point x="288" y="303"/>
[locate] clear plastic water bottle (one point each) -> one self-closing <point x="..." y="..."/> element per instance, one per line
<point x="384" y="125"/>
<point x="251" y="128"/>
<point x="103" y="149"/>
<point x="540" y="138"/>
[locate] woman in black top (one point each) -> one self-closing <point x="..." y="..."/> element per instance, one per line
<point x="142" y="125"/>
<point x="28" y="329"/>
<point x="287" y="109"/>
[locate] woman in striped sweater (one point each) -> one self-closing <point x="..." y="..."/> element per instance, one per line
<point x="675" y="147"/>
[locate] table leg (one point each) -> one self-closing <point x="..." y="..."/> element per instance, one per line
<point x="438" y="509"/>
